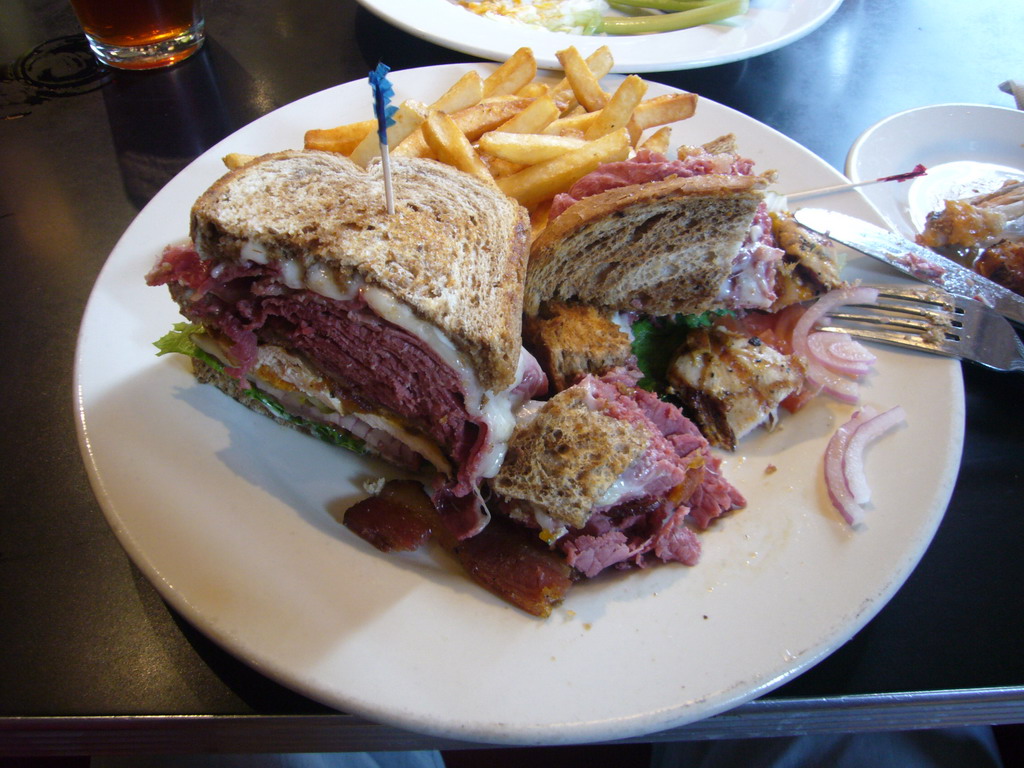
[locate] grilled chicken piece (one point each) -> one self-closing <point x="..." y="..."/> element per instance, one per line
<point x="809" y="268"/>
<point x="730" y="383"/>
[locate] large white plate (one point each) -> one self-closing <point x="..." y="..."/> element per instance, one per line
<point x="768" y="25"/>
<point x="967" y="149"/>
<point x="230" y="516"/>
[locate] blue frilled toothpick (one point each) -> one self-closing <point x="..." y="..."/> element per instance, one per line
<point x="382" y="93"/>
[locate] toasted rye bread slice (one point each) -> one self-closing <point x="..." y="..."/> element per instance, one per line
<point x="454" y="250"/>
<point x="660" y="248"/>
<point x="568" y="456"/>
<point x="572" y="340"/>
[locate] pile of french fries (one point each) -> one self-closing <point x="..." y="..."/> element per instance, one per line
<point x="530" y="137"/>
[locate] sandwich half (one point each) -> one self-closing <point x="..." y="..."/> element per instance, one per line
<point x="639" y="262"/>
<point x="397" y="334"/>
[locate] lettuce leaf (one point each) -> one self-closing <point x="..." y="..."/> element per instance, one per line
<point x="179" y="340"/>
<point x="326" y="432"/>
<point x="656" y="339"/>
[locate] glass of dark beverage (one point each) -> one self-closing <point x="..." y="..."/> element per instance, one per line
<point x="141" y="34"/>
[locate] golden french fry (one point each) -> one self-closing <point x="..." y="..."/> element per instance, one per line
<point x="343" y="138"/>
<point x="541" y="182"/>
<point x="619" y="109"/>
<point x="474" y="120"/>
<point x="516" y="72"/>
<point x="237" y="160"/>
<point x="407" y="117"/>
<point x="662" y="110"/>
<point x="510" y="128"/>
<point x="499" y="166"/>
<point x="658" y="141"/>
<point x="539" y="219"/>
<point x="534" y="118"/>
<point x="635" y="134"/>
<point x="585" y="85"/>
<point x="452" y="147"/>
<point x="413" y="145"/>
<point x="534" y="90"/>
<point x="566" y="102"/>
<point x="567" y="126"/>
<point x="467" y="91"/>
<point x="488" y="115"/>
<point x="527" y="148"/>
<point x="600" y="62"/>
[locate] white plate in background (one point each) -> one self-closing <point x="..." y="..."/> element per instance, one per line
<point x="967" y="149"/>
<point x="232" y="517"/>
<point x="768" y="25"/>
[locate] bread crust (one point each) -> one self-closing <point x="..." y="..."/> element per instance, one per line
<point x="454" y="251"/>
<point x="660" y="248"/>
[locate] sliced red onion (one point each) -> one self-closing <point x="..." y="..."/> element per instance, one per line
<point x="845" y="479"/>
<point x="866" y="432"/>
<point x="835" y="384"/>
<point x="835" y="479"/>
<point x="839" y="353"/>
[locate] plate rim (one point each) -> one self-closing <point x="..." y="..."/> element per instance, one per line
<point x="625" y="61"/>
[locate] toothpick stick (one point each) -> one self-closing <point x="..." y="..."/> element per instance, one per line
<point x="382" y="93"/>
<point x="919" y="170"/>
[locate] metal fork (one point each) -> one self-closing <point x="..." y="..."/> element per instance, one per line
<point x="932" y="320"/>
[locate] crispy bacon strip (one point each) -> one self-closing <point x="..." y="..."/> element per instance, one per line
<point x="505" y="559"/>
<point x="398" y="519"/>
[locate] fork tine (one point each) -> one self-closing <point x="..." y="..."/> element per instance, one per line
<point x="919" y="325"/>
<point x="921" y="318"/>
<point x="928" y="304"/>
<point x="933" y="321"/>
<point x="919" y="295"/>
<point x="901" y="338"/>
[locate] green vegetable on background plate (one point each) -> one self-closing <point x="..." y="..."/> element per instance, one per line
<point x="680" y="14"/>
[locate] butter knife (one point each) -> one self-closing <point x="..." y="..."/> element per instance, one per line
<point x="912" y="259"/>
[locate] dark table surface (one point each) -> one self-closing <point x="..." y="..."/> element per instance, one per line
<point x="92" y="660"/>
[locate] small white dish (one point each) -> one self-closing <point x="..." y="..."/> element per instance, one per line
<point x="768" y="25"/>
<point x="966" y="149"/>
